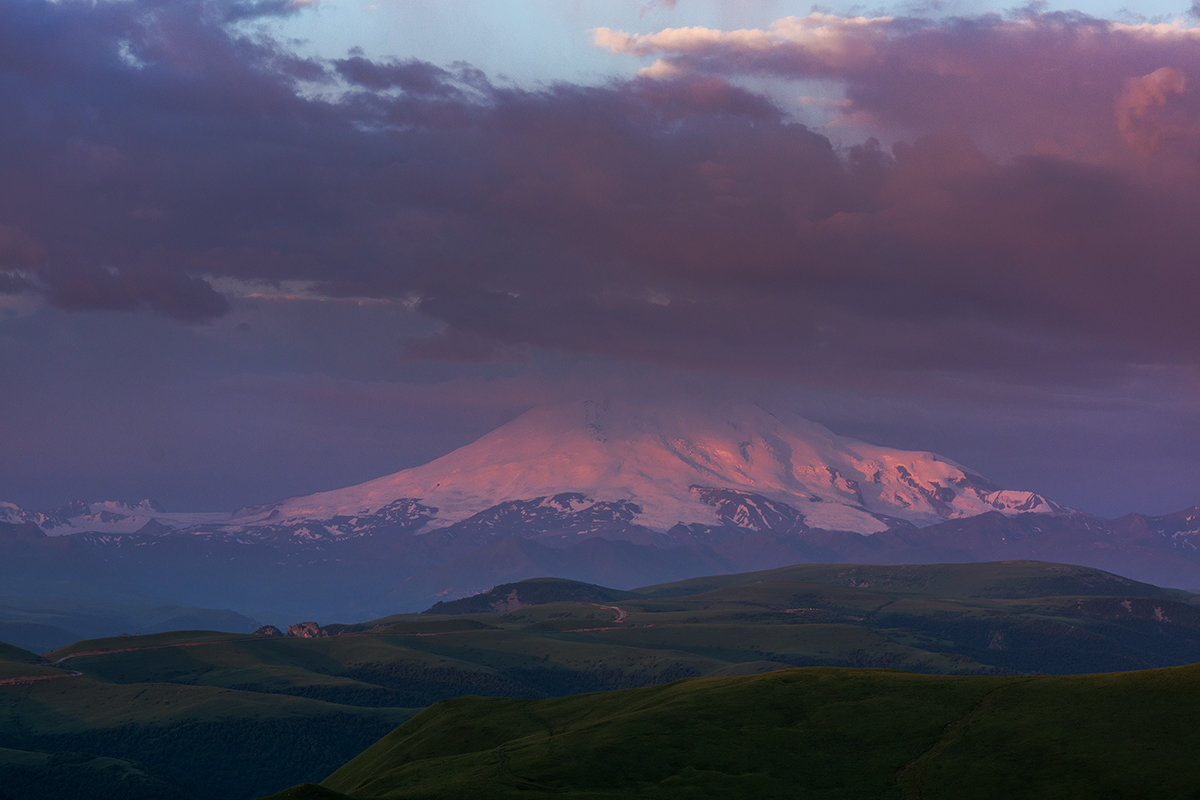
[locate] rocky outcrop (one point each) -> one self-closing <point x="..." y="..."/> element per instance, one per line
<point x="269" y="630"/>
<point x="306" y="630"/>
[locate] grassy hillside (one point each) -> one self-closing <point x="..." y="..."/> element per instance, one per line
<point x="143" y="642"/>
<point x="202" y="742"/>
<point x="17" y="664"/>
<point x="218" y="715"/>
<point x="994" y="579"/>
<point x="833" y="734"/>
<point x="963" y="618"/>
<point x="535" y="591"/>
<point x="18" y="655"/>
<point x="63" y="775"/>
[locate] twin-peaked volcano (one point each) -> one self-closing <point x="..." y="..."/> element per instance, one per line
<point x="664" y="460"/>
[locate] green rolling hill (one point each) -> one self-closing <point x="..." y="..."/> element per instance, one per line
<point x="835" y="734"/>
<point x="218" y="715"/>
<point x="136" y="740"/>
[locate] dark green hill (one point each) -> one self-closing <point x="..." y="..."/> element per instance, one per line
<point x="30" y="775"/>
<point x="17" y="655"/>
<point x="150" y="641"/>
<point x="993" y="579"/>
<point x="219" y="715"/>
<point x="832" y="734"/>
<point x="937" y="619"/>
<point x="535" y="591"/>
<point x="16" y="665"/>
<point x="201" y="741"/>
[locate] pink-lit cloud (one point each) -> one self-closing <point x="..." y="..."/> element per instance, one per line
<point x="1142" y="106"/>
<point x="1045" y="82"/>
<point x="512" y="215"/>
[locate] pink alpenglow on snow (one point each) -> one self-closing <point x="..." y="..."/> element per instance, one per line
<point x="657" y="457"/>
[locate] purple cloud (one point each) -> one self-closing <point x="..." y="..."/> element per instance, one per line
<point x="417" y="77"/>
<point x="680" y="220"/>
<point x="1041" y="82"/>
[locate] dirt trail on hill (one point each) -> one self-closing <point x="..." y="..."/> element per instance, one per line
<point x="82" y="653"/>
<point x="111" y="651"/>
<point x="619" y="618"/>
<point x="620" y="613"/>
<point x="22" y="680"/>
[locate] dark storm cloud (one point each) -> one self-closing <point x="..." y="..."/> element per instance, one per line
<point x="155" y="147"/>
<point x="129" y="129"/>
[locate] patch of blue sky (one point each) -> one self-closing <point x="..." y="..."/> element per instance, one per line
<point x="537" y="42"/>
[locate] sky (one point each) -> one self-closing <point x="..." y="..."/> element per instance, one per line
<point x="251" y="249"/>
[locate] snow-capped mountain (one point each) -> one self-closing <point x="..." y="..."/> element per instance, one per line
<point x="664" y="460"/>
<point x="108" y="516"/>
<point x="662" y="464"/>
<point x="616" y="493"/>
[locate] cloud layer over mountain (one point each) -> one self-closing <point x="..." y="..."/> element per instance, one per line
<point x="1009" y="199"/>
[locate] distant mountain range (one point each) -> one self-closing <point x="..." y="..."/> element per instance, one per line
<point x="608" y="492"/>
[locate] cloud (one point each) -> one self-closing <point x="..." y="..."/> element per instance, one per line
<point x="14" y="283"/>
<point x="1044" y="81"/>
<point x="252" y="9"/>
<point x="1022" y="227"/>
<point x="661" y="69"/>
<point x="418" y="77"/>
<point x="1139" y="106"/>
<point x="667" y="4"/>
<point x="17" y="249"/>
<point x="177" y="295"/>
<point x="842" y="42"/>
<point x="454" y="345"/>
<point x="560" y="218"/>
<point x="118" y="156"/>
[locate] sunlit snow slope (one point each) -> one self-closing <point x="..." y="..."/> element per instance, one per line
<point x="658" y="456"/>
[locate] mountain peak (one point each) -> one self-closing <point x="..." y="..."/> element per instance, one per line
<point x="655" y="455"/>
